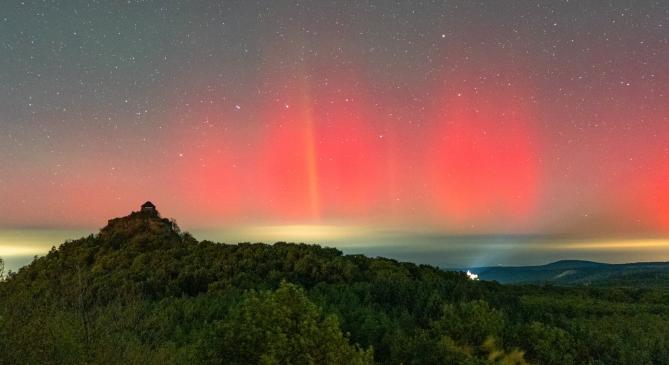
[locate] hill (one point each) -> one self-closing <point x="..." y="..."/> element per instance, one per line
<point x="142" y="292"/>
<point x="575" y="272"/>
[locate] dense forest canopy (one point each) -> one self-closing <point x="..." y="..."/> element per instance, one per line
<point x="142" y="292"/>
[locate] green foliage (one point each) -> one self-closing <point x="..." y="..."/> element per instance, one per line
<point x="470" y="322"/>
<point x="547" y="344"/>
<point x="283" y="327"/>
<point x="142" y="292"/>
<point x="496" y="355"/>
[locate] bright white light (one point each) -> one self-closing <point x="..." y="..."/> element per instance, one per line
<point x="472" y="276"/>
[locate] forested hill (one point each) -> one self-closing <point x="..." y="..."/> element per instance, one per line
<point x="576" y="272"/>
<point x="142" y="292"/>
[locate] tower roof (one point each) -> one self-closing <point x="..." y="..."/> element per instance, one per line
<point x="148" y="205"/>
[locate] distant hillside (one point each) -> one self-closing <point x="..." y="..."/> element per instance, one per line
<point x="575" y="272"/>
<point x="143" y="292"/>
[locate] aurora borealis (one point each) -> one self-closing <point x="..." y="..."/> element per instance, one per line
<point x="443" y="117"/>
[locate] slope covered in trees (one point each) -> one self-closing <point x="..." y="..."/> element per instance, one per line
<point x="574" y="272"/>
<point x="142" y="292"/>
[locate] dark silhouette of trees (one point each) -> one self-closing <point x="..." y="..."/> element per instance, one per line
<point x="141" y="291"/>
<point x="283" y="327"/>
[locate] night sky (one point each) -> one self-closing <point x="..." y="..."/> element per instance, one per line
<point x="439" y="118"/>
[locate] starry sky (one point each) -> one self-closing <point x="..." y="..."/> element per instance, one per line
<point x="329" y="118"/>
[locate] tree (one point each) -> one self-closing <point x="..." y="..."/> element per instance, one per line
<point x="498" y="356"/>
<point x="284" y="327"/>
<point x="470" y="323"/>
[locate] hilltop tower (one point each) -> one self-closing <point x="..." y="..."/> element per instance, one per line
<point x="148" y="207"/>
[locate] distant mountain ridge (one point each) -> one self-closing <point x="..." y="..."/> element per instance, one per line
<point x="580" y="272"/>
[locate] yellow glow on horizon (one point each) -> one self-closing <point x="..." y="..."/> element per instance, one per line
<point x="618" y="244"/>
<point x="20" y="250"/>
<point x="289" y="232"/>
<point x="30" y="242"/>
